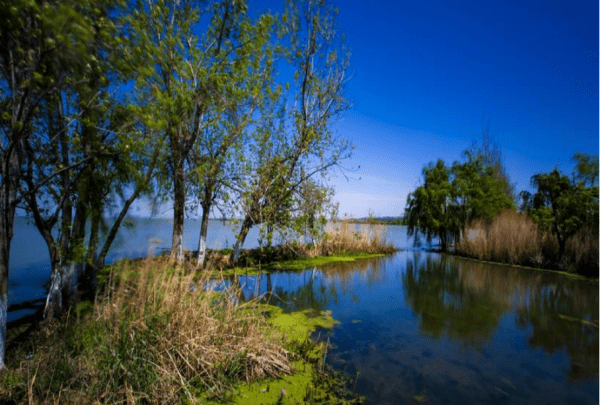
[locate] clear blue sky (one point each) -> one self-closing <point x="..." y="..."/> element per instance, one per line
<point x="428" y="76"/>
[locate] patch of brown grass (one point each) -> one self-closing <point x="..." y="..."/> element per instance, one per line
<point x="510" y="238"/>
<point x="346" y="237"/>
<point x="581" y="252"/>
<point x="155" y="335"/>
<point x="515" y="239"/>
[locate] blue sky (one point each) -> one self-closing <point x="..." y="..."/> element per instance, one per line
<point x="429" y="76"/>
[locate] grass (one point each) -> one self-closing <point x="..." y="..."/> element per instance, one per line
<point x="150" y="338"/>
<point x="514" y="238"/>
<point x="341" y="242"/>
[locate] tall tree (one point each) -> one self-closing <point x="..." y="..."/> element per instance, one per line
<point x="452" y="197"/>
<point x="302" y="144"/>
<point x="489" y="155"/>
<point x="248" y="82"/>
<point x="184" y="78"/>
<point x="428" y="207"/>
<point x="86" y="151"/>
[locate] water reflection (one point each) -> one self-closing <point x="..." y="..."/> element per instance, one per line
<point x="447" y="303"/>
<point x="465" y="300"/>
<point x="438" y="329"/>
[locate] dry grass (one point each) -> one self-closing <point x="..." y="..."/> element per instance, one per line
<point x="581" y="252"/>
<point x="511" y="238"/>
<point x="515" y="239"/>
<point x="344" y="237"/>
<point x="341" y="238"/>
<point x="150" y="338"/>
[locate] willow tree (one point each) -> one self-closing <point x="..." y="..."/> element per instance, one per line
<point x="451" y="197"/>
<point x="429" y="209"/>
<point x="296" y="142"/>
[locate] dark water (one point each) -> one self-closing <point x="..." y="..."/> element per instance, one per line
<point x="420" y="327"/>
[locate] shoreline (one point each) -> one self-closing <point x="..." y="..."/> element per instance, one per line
<point x="85" y="335"/>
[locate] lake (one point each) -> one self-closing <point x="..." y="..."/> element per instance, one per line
<point x="415" y="327"/>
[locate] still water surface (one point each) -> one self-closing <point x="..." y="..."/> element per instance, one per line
<point x="419" y="327"/>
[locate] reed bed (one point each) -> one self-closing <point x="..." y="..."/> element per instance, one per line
<point x="154" y="336"/>
<point x="344" y="237"/>
<point x="514" y="238"/>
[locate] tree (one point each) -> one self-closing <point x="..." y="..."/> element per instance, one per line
<point x="175" y="87"/>
<point x="297" y="144"/>
<point x="38" y="40"/>
<point x="428" y="207"/>
<point x="85" y="153"/>
<point x="453" y="197"/>
<point x="314" y="205"/>
<point x="247" y="77"/>
<point x="561" y="206"/>
<point x="586" y="169"/>
<point x="491" y="157"/>
<point x="478" y="192"/>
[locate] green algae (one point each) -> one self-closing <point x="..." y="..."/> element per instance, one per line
<point x="289" y="389"/>
<point x="294" y="265"/>
<point x="301" y="264"/>
<point x="298" y="325"/>
<point x="307" y="384"/>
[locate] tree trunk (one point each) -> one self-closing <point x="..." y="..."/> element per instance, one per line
<point x="76" y="256"/>
<point x="8" y="201"/>
<point x="178" y="211"/>
<point x="241" y="238"/>
<point x="7" y="216"/>
<point x="203" y="234"/>
<point x="92" y="256"/>
<point x="444" y="240"/>
<point x="54" y="299"/>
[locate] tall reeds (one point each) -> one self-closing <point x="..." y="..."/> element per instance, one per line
<point x="515" y="239"/>
<point x="346" y="237"/>
<point x="155" y="335"/>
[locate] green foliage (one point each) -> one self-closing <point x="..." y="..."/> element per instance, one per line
<point x="586" y="169"/>
<point x="563" y="207"/>
<point x="452" y="197"/>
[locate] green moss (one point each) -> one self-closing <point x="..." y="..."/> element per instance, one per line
<point x="298" y="325"/>
<point x="289" y="389"/>
<point x="307" y="384"/>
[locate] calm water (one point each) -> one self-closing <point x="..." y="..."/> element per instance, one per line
<point x="426" y="327"/>
<point x="419" y="327"/>
<point x="29" y="268"/>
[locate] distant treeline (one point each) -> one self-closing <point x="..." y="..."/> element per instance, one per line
<point x="380" y="220"/>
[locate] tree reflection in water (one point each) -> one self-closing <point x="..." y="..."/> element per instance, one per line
<point x="465" y="300"/>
